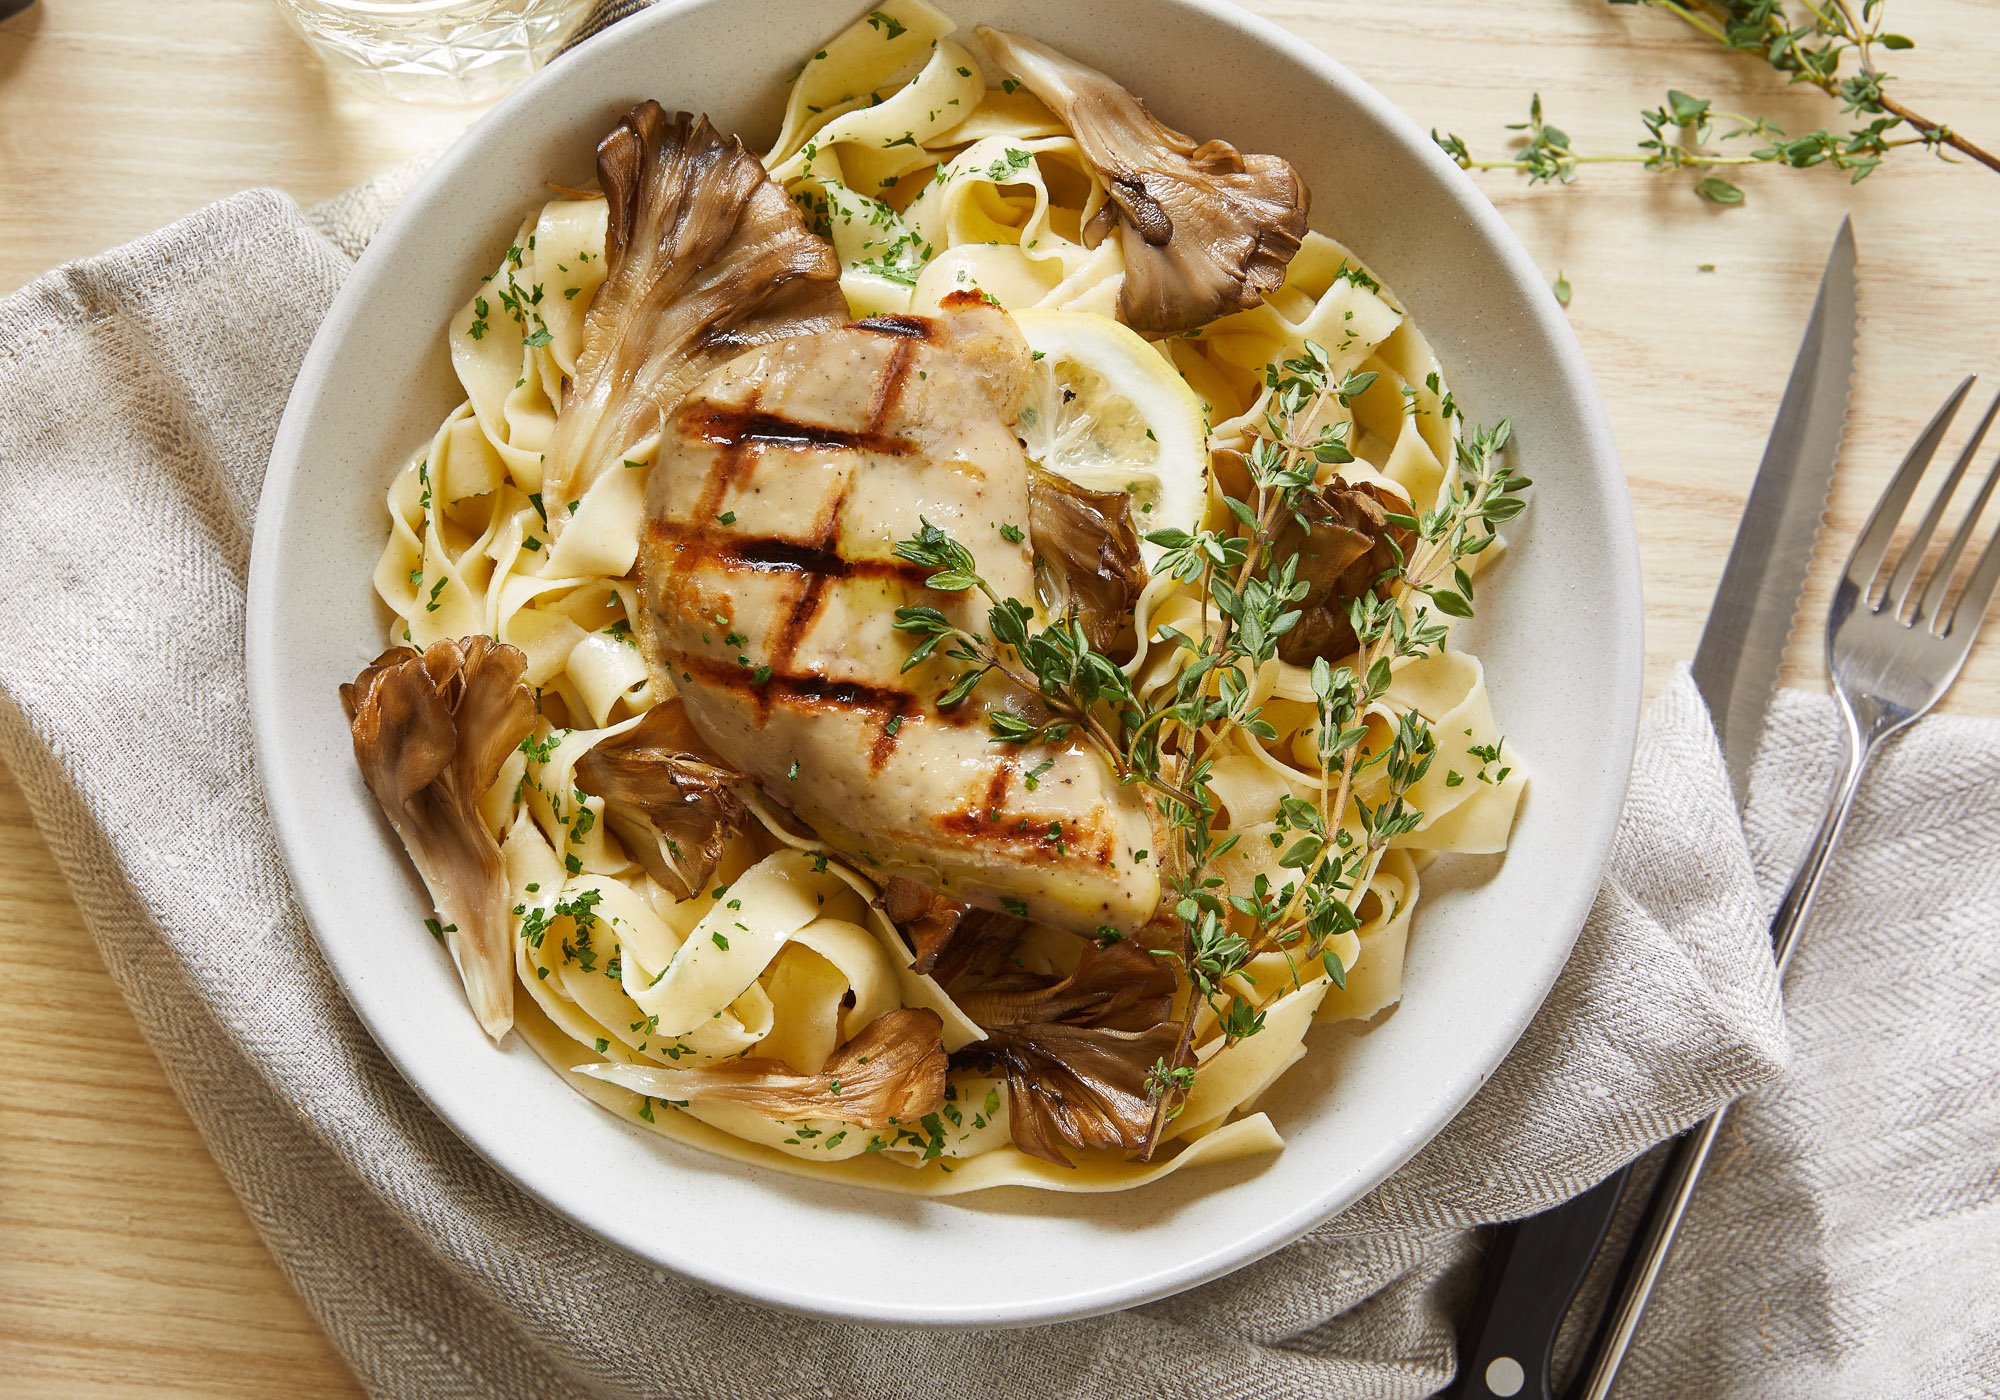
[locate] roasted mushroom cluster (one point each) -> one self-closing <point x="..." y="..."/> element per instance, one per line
<point x="1205" y="229"/>
<point x="892" y="1072"/>
<point x="1075" y="1050"/>
<point x="1086" y="556"/>
<point x="1345" y="545"/>
<point x="431" y="730"/>
<point x="671" y="809"/>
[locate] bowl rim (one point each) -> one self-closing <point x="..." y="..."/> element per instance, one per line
<point x="1591" y="851"/>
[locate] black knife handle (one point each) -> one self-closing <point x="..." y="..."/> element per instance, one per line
<point x="1533" y="1269"/>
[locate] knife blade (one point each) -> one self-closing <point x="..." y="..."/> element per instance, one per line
<point x="1736" y="671"/>
<point x="1534" y="1267"/>
<point x="1736" y="664"/>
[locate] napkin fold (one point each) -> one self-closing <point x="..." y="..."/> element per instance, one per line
<point x="1847" y="1240"/>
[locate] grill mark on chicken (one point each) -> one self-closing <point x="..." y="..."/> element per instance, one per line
<point x="908" y="327"/>
<point x="996" y="789"/>
<point x="728" y="465"/>
<point x="889" y="389"/>
<point x="739" y="427"/>
<point x="889" y="735"/>
<point x="1028" y="836"/>
<point x="802" y="690"/>
<point x="769" y="554"/>
<point x="811" y="598"/>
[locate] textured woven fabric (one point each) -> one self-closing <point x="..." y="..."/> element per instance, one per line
<point x="1847" y="1243"/>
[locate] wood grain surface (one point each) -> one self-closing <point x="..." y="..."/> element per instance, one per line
<point x="127" y="1267"/>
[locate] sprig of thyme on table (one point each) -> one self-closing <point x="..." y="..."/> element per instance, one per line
<point x="1687" y="134"/>
<point x="1168" y="736"/>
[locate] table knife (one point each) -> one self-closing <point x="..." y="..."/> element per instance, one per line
<point x="1534" y="1267"/>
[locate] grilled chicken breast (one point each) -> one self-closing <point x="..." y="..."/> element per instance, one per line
<point x="770" y="587"/>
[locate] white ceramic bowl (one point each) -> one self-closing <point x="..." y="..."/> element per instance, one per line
<point x="1560" y="637"/>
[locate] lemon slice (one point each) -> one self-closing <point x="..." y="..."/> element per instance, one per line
<point x="1107" y="410"/>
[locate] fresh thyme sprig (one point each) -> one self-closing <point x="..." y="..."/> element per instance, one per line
<point x="1170" y="737"/>
<point x="1077" y="683"/>
<point x="1680" y="135"/>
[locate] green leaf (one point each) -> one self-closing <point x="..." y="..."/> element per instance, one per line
<point x="1896" y="41"/>
<point x="1453" y="146"/>
<point x="1452" y="603"/>
<point x="1322" y="678"/>
<point x="1562" y="289"/>
<point x="1301" y="853"/>
<point x="951" y="581"/>
<point x="960" y="688"/>
<point x="1379" y="676"/>
<point x="1717" y="190"/>
<point x="921" y="619"/>
<point x="921" y="652"/>
<point x="1688" y="111"/>
<point x="1006" y="727"/>
<point x="1335" y="969"/>
<point x="1009" y="622"/>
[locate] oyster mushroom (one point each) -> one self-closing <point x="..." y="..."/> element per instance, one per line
<point x="1086" y="555"/>
<point x="670" y="808"/>
<point x="1205" y="229"/>
<point x="947" y="936"/>
<point x="928" y="919"/>
<point x="1345" y="543"/>
<point x="1076" y="1052"/>
<point x="705" y="257"/>
<point x="431" y="730"/>
<point x="893" y="1071"/>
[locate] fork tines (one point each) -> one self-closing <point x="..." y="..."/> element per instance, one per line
<point x="1871" y="550"/>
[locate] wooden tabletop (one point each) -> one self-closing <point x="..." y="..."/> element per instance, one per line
<point x="126" y="1266"/>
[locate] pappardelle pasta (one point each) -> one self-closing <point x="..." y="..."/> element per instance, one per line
<point x="923" y="658"/>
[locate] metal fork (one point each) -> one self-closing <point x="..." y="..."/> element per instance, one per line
<point x="1892" y="653"/>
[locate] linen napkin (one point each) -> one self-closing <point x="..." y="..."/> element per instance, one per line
<point x="1847" y="1241"/>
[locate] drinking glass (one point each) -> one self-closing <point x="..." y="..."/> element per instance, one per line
<point x="436" y="50"/>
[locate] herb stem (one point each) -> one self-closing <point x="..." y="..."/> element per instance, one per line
<point x="1863" y="39"/>
<point x="1937" y="132"/>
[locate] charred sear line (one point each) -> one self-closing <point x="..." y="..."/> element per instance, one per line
<point x="805" y="691"/>
<point x="1032" y="838"/>
<point x="996" y="786"/>
<point x="888" y="736"/>
<point x="811" y="598"/>
<point x="748" y="427"/>
<point x="908" y="327"/>
<point x="766" y="554"/>
<point x="889" y="388"/>
<point x="784" y="648"/>
<point x="729" y="465"/>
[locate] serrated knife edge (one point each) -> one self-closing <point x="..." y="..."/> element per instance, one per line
<point x="1757" y="604"/>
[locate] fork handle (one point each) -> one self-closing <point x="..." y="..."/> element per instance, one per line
<point x="1654" y="1239"/>
<point x="1798" y="900"/>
